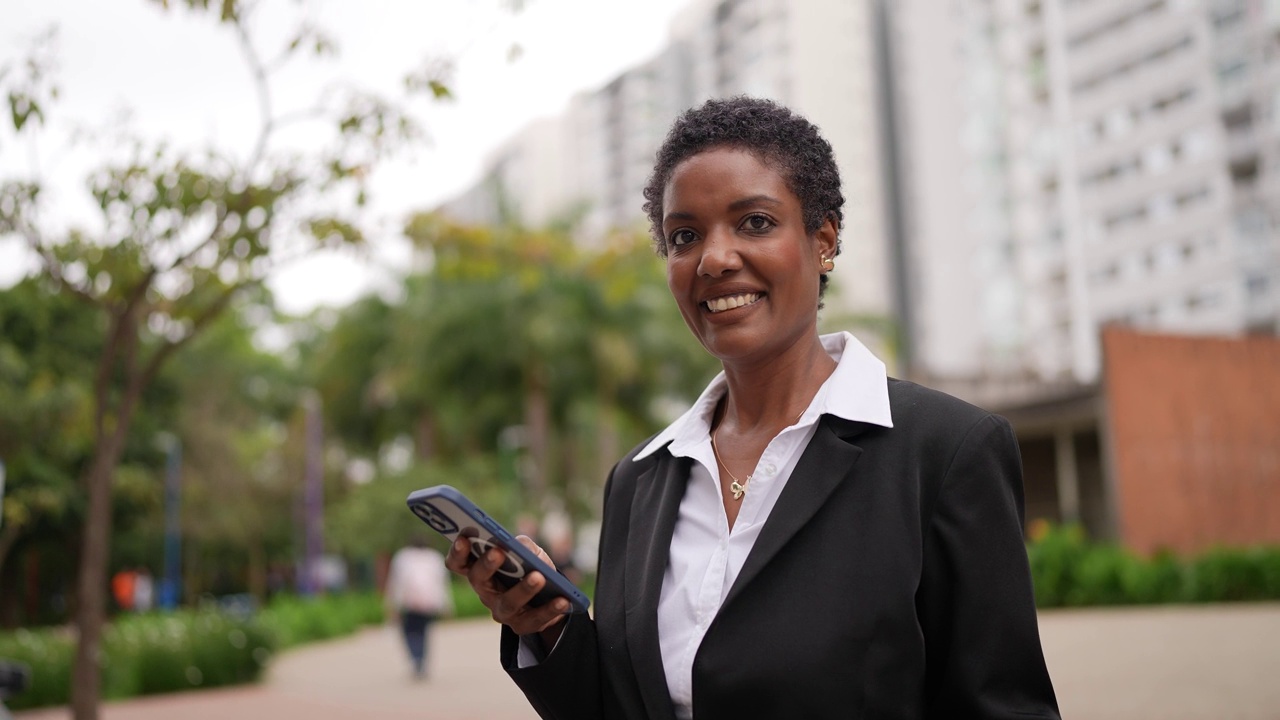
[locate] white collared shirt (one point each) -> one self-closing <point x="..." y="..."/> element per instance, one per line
<point x="706" y="555"/>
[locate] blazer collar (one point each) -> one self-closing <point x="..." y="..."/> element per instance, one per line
<point x="858" y="390"/>
<point x="827" y="462"/>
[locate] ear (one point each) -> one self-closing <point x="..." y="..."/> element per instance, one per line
<point x="825" y="240"/>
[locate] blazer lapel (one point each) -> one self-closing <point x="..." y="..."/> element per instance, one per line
<point x="653" y="520"/>
<point x="826" y="462"/>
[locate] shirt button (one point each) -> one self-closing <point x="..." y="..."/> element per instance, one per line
<point x="770" y="469"/>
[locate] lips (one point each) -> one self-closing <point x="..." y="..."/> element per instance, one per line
<point x="730" y="302"/>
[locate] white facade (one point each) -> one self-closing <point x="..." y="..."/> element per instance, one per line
<point x="1070" y="163"/>
<point x="814" y="56"/>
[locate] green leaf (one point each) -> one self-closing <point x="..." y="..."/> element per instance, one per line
<point x="439" y="90"/>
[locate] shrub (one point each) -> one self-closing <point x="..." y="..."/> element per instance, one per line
<point x="145" y="654"/>
<point x="167" y="652"/>
<point x="295" y="620"/>
<point x="1226" y="574"/>
<point x="1055" y="554"/>
<point x="48" y="653"/>
<point x="1068" y="570"/>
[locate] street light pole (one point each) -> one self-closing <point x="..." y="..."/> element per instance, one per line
<point x="171" y="585"/>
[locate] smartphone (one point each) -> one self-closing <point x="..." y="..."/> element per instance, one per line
<point x="451" y="514"/>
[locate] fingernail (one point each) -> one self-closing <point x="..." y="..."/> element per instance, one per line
<point x="562" y="605"/>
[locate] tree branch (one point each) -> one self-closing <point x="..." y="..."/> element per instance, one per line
<point x="206" y="316"/>
<point x="260" y="81"/>
<point x="51" y="263"/>
<point x="213" y="236"/>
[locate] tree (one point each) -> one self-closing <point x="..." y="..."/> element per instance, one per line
<point x="178" y="236"/>
<point x="239" y="473"/>
<point x="513" y="327"/>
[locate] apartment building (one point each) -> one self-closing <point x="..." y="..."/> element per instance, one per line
<point x="593" y="160"/>
<point x="1073" y="163"/>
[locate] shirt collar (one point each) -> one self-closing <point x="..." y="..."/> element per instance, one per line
<point x="857" y="390"/>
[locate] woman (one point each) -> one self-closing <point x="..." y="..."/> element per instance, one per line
<point x="812" y="538"/>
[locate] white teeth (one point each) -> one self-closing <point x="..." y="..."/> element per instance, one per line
<point x="730" y="302"/>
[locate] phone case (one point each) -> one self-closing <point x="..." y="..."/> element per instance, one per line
<point x="451" y="514"/>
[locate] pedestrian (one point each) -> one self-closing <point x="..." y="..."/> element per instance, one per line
<point x="122" y="588"/>
<point x="812" y="538"/>
<point x="143" y="591"/>
<point x="417" y="593"/>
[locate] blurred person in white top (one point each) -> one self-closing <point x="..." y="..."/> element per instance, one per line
<point x="418" y="593"/>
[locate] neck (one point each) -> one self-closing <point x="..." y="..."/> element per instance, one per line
<point x="774" y="395"/>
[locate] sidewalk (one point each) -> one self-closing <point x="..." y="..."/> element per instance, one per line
<point x="1217" y="662"/>
<point x="1188" y="662"/>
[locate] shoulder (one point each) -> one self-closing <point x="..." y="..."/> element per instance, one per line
<point x="933" y="411"/>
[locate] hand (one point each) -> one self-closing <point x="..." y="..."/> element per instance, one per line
<point x="510" y="606"/>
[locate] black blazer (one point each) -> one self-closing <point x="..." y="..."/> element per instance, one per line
<point x="890" y="581"/>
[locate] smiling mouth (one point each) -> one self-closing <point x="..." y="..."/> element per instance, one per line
<point x="729" y="302"/>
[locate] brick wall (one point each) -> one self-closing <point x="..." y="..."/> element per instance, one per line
<point x="1195" y="433"/>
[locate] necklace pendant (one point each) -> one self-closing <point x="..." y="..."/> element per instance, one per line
<point x="738" y="489"/>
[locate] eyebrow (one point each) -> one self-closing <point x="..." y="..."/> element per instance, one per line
<point x="754" y="200"/>
<point x="735" y="205"/>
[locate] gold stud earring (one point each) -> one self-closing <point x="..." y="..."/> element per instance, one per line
<point x="828" y="264"/>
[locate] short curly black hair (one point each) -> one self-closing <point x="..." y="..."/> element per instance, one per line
<point x="778" y="136"/>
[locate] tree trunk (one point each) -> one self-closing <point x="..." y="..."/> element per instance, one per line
<point x="257" y="570"/>
<point x="425" y="436"/>
<point x="9" y="535"/>
<point x="86" y="678"/>
<point x="537" y="423"/>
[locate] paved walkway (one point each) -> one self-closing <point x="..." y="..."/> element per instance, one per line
<point x="1175" y="663"/>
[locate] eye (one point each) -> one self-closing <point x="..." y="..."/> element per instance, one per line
<point x="757" y="223"/>
<point x="681" y="237"/>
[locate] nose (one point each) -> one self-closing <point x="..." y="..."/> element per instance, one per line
<point x="720" y="254"/>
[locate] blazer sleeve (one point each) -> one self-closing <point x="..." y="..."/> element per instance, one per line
<point x="566" y="684"/>
<point x="976" y="604"/>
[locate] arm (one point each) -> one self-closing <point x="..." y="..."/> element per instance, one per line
<point x="975" y="602"/>
<point x="566" y="684"/>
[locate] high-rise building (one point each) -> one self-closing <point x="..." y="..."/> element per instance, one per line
<point x="817" y="57"/>
<point x="1071" y="163"/>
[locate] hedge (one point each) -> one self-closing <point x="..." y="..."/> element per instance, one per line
<point x="183" y="650"/>
<point x="1070" y="571"/>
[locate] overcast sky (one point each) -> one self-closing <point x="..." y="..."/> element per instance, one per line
<point x="178" y="78"/>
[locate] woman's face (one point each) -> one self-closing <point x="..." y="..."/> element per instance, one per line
<point x="740" y="265"/>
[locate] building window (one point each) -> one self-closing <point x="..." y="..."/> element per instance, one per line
<point x="1157" y="158"/>
<point x="1256" y="286"/>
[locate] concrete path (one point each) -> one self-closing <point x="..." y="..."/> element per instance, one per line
<point x="1175" y="663"/>
<point x="1215" y="662"/>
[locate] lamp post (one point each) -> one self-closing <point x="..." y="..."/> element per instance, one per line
<point x="171" y="584"/>
<point x="312" y="498"/>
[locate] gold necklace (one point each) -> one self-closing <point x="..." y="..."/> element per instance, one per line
<point x="738" y="488"/>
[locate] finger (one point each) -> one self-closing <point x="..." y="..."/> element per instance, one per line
<point x="513" y="607"/>
<point x="545" y="617"/>
<point x="542" y="554"/>
<point x="480" y="574"/>
<point x="516" y="599"/>
<point x="459" y="558"/>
